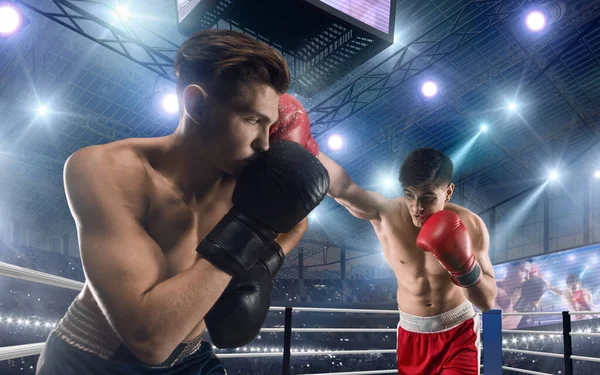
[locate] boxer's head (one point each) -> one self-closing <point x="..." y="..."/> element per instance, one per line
<point x="229" y="86"/>
<point x="426" y="177"/>
<point x="518" y="272"/>
<point x="573" y="283"/>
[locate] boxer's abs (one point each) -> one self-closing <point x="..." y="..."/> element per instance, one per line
<point x="424" y="286"/>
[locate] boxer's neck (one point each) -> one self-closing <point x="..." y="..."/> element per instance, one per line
<point x="188" y="164"/>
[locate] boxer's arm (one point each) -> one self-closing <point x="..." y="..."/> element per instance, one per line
<point x="363" y="204"/>
<point x="483" y="294"/>
<point x="125" y="269"/>
<point x="289" y="240"/>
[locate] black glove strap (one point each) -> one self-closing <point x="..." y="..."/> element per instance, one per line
<point x="273" y="258"/>
<point x="234" y="246"/>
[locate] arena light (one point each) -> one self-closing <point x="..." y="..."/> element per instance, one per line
<point x="536" y="20"/>
<point x="540" y="17"/>
<point x="121" y="12"/>
<point x="42" y="110"/>
<point x="388" y="182"/>
<point x="484" y="128"/>
<point x="335" y="142"/>
<point x="512" y="106"/>
<point x="11" y="19"/>
<point x="429" y="89"/>
<point x="553" y="176"/>
<point x="170" y="103"/>
<point x="597" y="173"/>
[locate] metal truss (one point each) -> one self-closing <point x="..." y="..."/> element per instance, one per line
<point x="156" y="59"/>
<point x="442" y="39"/>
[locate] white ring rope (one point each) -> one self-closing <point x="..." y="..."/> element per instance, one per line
<point x="359" y="372"/>
<point x="584" y="334"/>
<point x="542" y="354"/>
<point x="524" y="371"/>
<point x="532" y="313"/>
<point x="331" y="330"/>
<point x="352" y="311"/>
<point x="17" y="351"/>
<point x="582" y="358"/>
<point x="21" y="273"/>
<point x="308" y="353"/>
<point x="532" y="332"/>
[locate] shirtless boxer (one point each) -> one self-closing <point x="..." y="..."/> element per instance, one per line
<point x="439" y="254"/>
<point x="578" y="298"/>
<point x="438" y="331"/>
<point x="181" y="230"/>
<point x="509" y="290"/>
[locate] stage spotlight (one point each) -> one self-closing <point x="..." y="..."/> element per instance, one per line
<point x="597" y="173"/>
<point x="170" y="103"/>
<point x="553" y="175"/>
<point x="388" y="182"/>
<point x="484" y="128"/>
<point x="539" y="17"/>
<point x="42" y="110"/>
<point x="536" y="20"/>
<point x="512" y="106"/>
<point x="335" y="142"/>
<point x="121" y="12"/>
<point x="11" y="19"/>
<point x="429" y="89"/>
<point x="313" y="216"/>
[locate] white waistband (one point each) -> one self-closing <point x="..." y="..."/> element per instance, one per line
<point x="437" y="323"/>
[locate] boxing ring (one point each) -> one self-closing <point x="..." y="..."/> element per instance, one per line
<point x="492" y="334"/>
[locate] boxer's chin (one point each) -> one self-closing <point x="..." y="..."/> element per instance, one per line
<point x="418" y="222"/>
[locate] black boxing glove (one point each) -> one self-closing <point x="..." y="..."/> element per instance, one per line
<point x="238" y="315"/>
<point x="271" y="196"/>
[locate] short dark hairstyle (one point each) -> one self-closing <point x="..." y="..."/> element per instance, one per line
<point x="426" y="166"/>
<point x="224" y="61"/>
<point x="572" y="279"/>
<point x="533" y="289"/>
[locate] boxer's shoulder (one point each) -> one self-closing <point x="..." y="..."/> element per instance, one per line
<point x="112" y="172"/>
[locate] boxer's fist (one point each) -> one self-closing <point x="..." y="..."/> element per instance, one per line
<point x="445" y="236"/>
<point x="271" y="196"/>
<point x="239" y="314"/>
<point x="580" y="301"/>
<point x="293" y="124"/>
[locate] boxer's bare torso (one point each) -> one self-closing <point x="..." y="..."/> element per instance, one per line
<point x="424" y="286"/>
<point x="176" y="221"/>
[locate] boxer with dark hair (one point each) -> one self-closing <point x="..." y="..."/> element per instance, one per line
<point x="438" y="250"/>
<point x="187" y="231"/>
<point x="439" y="253"/>
<point x="532" y="291"/>
<point x="578" y="298"/>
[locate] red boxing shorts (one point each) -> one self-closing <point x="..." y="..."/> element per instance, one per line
<point x="445" y="344"/>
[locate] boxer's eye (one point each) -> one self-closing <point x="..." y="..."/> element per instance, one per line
<point x="253" y="121"/>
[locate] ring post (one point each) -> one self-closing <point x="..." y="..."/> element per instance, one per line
<point x="492" y="342"/>
<point x="287" y="342"/>
<point x="567" y="344"/>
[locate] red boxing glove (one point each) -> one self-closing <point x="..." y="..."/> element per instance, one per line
<point x="445" y="236"/>
<point x="580" y="301"/>
<point x="293" y="124"/>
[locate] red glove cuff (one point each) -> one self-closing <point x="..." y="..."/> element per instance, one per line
<point x="469" y="278"/>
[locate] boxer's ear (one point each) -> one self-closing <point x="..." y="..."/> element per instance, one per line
<point x="449" y="192"/>
<point x="194" y="103"/>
